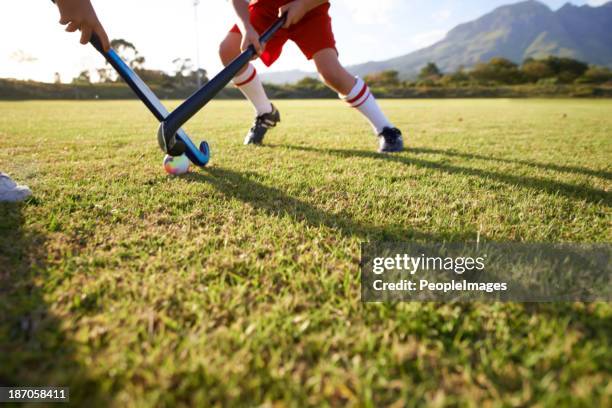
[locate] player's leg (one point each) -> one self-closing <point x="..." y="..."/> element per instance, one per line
<point x="250" y="85"/>
<point x="246" y="80"/>
<point x="315" y="37"/>
<point x="332" y="73"/>
<point x="356" y="93"/>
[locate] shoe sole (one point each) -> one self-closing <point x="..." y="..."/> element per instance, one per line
<point x="253" y="143"/>
<point x="399" y="150"/>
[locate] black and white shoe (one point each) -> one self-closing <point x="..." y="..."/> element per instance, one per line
<point x="261" y="126"/>
<point x="390" y="141"/>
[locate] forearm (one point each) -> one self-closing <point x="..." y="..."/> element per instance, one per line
<point x="241" y="8"/>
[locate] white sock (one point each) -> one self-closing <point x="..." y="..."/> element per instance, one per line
<point x="362" y="99"/>
<point x="250" y="84"/>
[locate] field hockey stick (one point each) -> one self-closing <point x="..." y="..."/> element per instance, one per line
<point x="199" y="157"/>
<point x="198" y="100"/>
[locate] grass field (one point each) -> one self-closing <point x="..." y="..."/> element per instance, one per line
<point x="239" y="284"/>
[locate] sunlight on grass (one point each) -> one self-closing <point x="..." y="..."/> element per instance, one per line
<point x="239" y="283"/>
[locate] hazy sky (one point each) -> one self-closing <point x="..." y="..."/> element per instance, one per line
<point x="33" y="45"/>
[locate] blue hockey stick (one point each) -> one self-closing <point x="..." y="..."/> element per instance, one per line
<point x="171" y="138"/>
<point x="199" y="157"/>
<point x="172" y="123"/>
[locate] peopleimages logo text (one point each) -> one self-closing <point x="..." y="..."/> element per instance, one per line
<point x="413" y="265"/>
<point x="485" y="271"/>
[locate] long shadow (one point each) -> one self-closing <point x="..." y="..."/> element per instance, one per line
<point x="244" y="187"/>
<point x="544" y="166"/>
<point x="274" y="202"/>
<point x="589" y="194"/>
<point x="582" y="317"/>
<point x="34" y="349"/>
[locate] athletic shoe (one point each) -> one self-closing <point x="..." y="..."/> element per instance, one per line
<point x="261" y="126"/>
<point x="10" y="191"/>
<point x="390" y="141"/>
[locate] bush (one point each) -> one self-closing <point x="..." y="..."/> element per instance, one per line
<point x="548" y="82"/>
<point x="430" y="72"/>
<point x="595" y="75"/>
<point x="498" y="71"/>
<point x="308" y="83"/>
<point x="567" y="70"/>
<point x="384" y="78"/>
<point x="537" y="70"/>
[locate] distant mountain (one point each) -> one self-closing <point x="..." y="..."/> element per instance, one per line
<point x="517" y="31"/>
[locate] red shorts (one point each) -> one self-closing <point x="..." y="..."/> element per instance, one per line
<point x="312" y="33"/>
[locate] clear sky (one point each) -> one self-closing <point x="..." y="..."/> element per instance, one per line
<point x="33" y="45"/>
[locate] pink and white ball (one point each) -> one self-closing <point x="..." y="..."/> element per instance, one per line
<point x="176" y="165"/>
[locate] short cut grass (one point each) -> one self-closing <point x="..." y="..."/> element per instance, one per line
<point x="239" y="284"/>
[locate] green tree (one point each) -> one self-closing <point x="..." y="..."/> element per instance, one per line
<point x="128" y="52"/>
<point x="497" y="70"/>
<point x="155" y="77"/>
<point x="459" y="77"/>
<point x="185" y="74"/>
<point x="536" y="70"/>
<point x="596" y="75"/>
<point x="183" y="67"/>
<point x="308" y="83"/>
<point x="203" y="74"/>
<point x="82" y="79"/>
<point x="430" y="71"/>
<point x="383" y="79"/>
<point x="567" y="70"/>
<point x="105" y="75"/>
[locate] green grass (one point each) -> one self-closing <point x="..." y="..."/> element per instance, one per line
<point x="239" y="284"/>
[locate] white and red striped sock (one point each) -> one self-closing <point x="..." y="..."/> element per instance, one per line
<point x="250" y="85"/>
<point x="362" y="99"/>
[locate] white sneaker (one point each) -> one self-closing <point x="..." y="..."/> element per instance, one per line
<point x="10" y="191"/>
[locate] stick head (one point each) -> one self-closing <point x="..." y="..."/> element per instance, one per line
<point x="169" y="143"/>
<point x="199" y="157"/>
<point x="180" y="144"/>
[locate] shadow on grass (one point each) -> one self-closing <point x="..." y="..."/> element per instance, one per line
<point x="245" y="187"/>
<point x="592" y="320"/>
<point x="589" y="194"/>
<point x="274" y="202"/>
<point x="34" y="349"/>
<point x="544" y="166"/>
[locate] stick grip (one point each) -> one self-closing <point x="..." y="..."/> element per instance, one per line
<point x="95" y="41"/>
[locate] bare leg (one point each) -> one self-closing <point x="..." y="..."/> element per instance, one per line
<point x="230" y="48"/>
<point x="247" y="79"/>
<point x="352" y="90"/>
<point x="332" y="72"/>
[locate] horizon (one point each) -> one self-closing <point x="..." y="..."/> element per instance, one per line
<point x="357" y="24"/>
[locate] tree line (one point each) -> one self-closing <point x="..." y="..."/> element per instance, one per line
<point x="499" y="77"/>
<point x="497" y="71"/>
<point x="185" y="76"/>
<point x="501" y="71"/>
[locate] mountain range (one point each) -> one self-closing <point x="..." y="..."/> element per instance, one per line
<point x="528" y="29"/>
